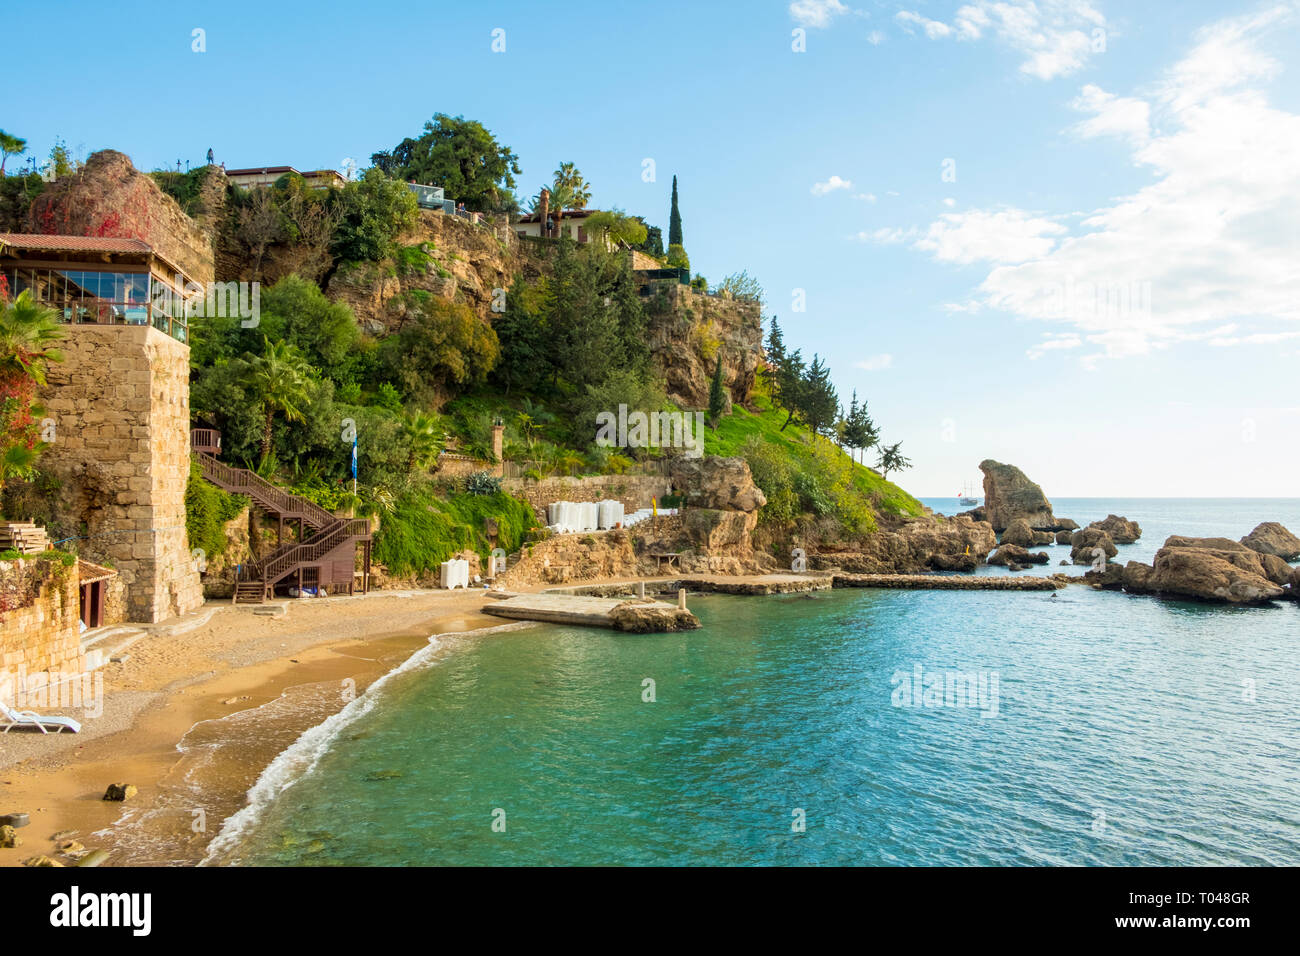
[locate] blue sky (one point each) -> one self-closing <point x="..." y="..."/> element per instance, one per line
<point x="1152" y="149"/>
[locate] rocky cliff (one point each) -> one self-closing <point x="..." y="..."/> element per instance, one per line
<point x="1009" y="494"/>
<point x="108" y="197"/>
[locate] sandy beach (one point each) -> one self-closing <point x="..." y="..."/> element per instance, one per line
<point x="191" y="719"/>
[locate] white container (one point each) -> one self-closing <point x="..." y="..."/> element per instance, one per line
<point x="454" y="574"/>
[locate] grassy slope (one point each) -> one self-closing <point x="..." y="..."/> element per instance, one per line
<point x="735" y="429"/>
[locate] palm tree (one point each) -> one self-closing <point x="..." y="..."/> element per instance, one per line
<point x="278" y="380"/>
<point x="425" y="437"/>
<point x="560" y="197"/>
<point x="10" y="145"/>
<point x="28" y="333"/>
<point x="568" y="176"/>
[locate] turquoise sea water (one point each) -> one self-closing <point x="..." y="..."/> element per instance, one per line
<point x="1128" y="730"/>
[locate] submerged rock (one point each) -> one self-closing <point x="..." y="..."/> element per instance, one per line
<point x="1121" y="530"/>
<point x="647" y="617"/>
<point x="1272" y="538"/>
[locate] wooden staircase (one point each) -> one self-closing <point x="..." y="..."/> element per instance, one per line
<point x="325" y="540"/>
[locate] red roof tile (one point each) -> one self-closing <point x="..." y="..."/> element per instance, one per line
<point x="72" y="243"/>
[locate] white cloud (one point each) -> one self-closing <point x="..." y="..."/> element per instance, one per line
<point x="865" y="197"/>
<point x="1122" y="116"/>
<point x="832" y="184"/>
<point x="1007" y="235"/>
<point x="950" y="202"/>
<point x="934" y="29"/>
<point x="875" y="363"/>
<point x="886" y="236"/>
<point x="1055" y="36"/>
<point x="816" y="13"/>
<point x="1256" y="338"/>
<point x="1211" y="240"/>
<point x="1054" y="342"/>
<point x="875" y="38"/>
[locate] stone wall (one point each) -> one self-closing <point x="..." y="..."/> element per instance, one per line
<point x="635" y="491"/>
<point x="121" y="451"/>
<point x="39" y="615"/>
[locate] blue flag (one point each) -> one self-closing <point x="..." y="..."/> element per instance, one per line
<point x="354" y="457"/>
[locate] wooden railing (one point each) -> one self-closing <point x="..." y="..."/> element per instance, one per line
<point x="285" y="559"/>
<point x="245" y="482"/>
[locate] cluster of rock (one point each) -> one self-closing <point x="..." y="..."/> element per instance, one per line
<point x="1249" y="571"/>
<point x="1010" y="496"/>
<point x="912" y="545"/>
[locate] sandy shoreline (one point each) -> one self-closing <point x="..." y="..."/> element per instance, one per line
<point x="235" y="692"/>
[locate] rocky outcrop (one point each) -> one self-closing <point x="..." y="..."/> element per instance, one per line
<point x="1121" y="530"/>
<point x="1009" y="494"/>
<point x="725" y="484"/>
<point x="1272" y="538"/>
<point x="1015" y="557"/>
<point x="1210" y="569"/>
<point x="932" y="542"/>
<point x="109" y="198"/>
<point x="648" y="617"/>
<point x="1063" y="537"/>
<point x="687" y="332"/>
<point x="1019" y="532"/>
<point x="1085" y="542"/>
<point x="1200" y="573"/>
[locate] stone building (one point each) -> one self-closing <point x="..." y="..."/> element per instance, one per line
<point x="117" y="407"/>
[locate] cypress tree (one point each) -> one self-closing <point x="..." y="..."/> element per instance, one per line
<point x="674" y="221"/>
<point x="717" y="395"/>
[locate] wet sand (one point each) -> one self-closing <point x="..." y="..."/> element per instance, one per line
<point x="192" y="719"/>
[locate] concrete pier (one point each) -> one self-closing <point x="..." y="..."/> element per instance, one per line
<point x="617" y="613"/>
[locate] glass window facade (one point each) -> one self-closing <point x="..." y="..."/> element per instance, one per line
<point x="102" y="297"/>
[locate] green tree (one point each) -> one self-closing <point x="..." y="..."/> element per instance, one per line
<point x="443" y="347"/>
<point x="372" y="214"/>
<point x="891" y="459"/>
<point x="717" y="395"/>
<point x="277" y="381"/>
<point x="523" y="333"/>
<point x="788" y="384"/>
<point x="653" y="244"/>
<point x="579" y="189"/>
<point x="28" y="334"/>
<point x="674" y="221"/>
<point x="326" y="332"/>
<point x="818" y="402"/>
<point x="677" y="258"/>
<point x="461" y="156"/>
<point x="10" y="145"/>
<point x="424" y="438"/>
<point x="618" y="227"/>
<point x="860" y="431"/>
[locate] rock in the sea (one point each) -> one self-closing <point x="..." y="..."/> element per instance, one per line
<point x="1121" y="530"/>
<point x="1265" y="565"/>
<point x="1009" y="494"/>
<point x="953" y="562"/>
<point x="9" y="837"/>
<point x="1205" y="574"/>
<point x="1085" y="541"/>
<point x="1015" y="557"/>
<point x="1066" y="524"/>
<point x="1019" y="533"/>
<point x="41" y="861"/>
<point x="120" y="791"/>
<point x="1272" y="538"/>
<point x="1063" y="537"/>
<point x="645" y="617"/>
<point x="1109" y="578"/>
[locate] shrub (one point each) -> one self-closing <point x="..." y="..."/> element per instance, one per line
<point x="207" y="509"/>
<point x="482" y="483"/>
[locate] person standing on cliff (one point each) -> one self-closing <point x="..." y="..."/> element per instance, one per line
<point x="209" y="155"/>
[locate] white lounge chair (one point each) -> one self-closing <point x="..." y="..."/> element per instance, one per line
<point x="29" y="718"/>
